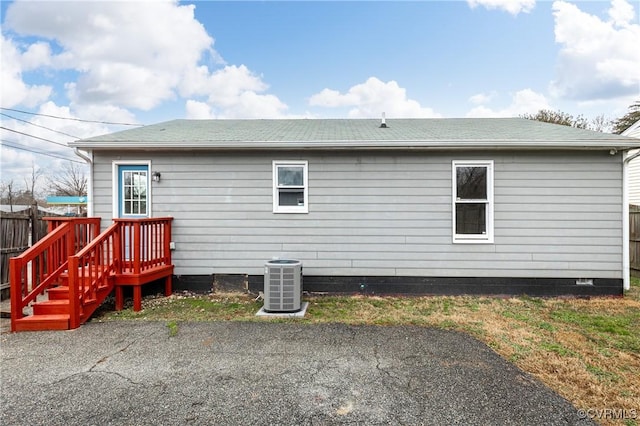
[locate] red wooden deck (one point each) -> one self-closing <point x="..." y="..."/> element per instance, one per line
<point x="73" y="269"/>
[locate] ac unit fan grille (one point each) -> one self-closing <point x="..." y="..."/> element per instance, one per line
<point x="283" y="288"/>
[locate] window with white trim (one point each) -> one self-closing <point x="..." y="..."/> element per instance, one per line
<point x="472" y="201"/>
<point x="290" y="192"/>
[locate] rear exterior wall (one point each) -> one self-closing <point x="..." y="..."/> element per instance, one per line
<point x="557" y="214"/>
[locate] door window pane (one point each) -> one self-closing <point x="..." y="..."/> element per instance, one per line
<point x="134" y="192"/>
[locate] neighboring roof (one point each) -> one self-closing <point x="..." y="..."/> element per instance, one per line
<point x="20" y="208"/>
<point x="491" y="133"/>
<point x="67" y="200"/>
<point x="632" y="131"/>
<point x="15" y="208"/>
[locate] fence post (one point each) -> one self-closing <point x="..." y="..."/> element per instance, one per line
<point x="35" y="235"/>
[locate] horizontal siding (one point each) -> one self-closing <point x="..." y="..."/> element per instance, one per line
<point x="556" y="215"/>
<point x="634" y="181"/>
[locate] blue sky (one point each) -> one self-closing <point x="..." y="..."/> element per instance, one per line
<point x="145" y="62"/>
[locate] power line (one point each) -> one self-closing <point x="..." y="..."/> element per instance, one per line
<point x="16" y="145"/>
<point x="38" y="125"/>
<point x="73" y="119"/>
<point x="35" y="137"/>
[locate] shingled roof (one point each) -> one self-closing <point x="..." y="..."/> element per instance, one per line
<point x="451" y="133"/>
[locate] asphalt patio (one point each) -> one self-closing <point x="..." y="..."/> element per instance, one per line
<point x="265" y="373"/>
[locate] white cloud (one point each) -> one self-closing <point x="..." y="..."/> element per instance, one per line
<point x="598" y="59"/>
<point x="136" y="55"/>
<point x="222" y="85"/>
<point x="82" y="129"/>
<point x="15" y="163"/>
<point x="621" y="13"/>
<point x="252" y="105"/>
<point x="14" y="90"/>
<point x="482" y="98"/>
<point x="514" y="7"/>
<point x="371" y="98"/>
<point x="37" y="55"/>
<point x="198" y="110"/>
<point x="525" y="101"/>
<point x="132" y="54"/>
<point x="231" y="92"/>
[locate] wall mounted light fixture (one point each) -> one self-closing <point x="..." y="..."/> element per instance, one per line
<point x="156" y="176"/>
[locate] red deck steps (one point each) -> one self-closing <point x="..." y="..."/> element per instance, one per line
<point x="59" y="282"/>
<point x="43" y="322"/>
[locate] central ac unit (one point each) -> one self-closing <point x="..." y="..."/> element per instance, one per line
<point x="283" y="285"/>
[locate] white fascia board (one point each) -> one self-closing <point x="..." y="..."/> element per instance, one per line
<point x="394" y="145"/>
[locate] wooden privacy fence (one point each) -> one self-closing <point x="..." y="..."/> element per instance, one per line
<point x="15" y="229"/>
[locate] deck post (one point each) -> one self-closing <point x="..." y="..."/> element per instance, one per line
<point x="71" y="240"/>
<point x="167" y="242"/>
<point x="15" y="291"/>
<point x="167" y="255"/>
<point x="74" y="296"/>
<point x="119" y="298"/>
<point x="137" y="247"/>
<point x="116" y="249"/>
<point x="167" y="286"/>
<point x="137" y="298"/>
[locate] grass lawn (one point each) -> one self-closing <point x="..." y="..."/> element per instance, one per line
<point x="587" y="350"/>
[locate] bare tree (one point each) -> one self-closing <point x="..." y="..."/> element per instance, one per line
<point x="601" y="123"/>
<point x="557" y="117"/>
<point x="623" y="123"/>
<point x="71" y="181"/>
<point x="8" y="187"/>
<point x="30" y="183"/>
<point x="598" y="124"/>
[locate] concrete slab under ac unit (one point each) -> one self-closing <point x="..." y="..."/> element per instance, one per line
<point x="298" y="314"/>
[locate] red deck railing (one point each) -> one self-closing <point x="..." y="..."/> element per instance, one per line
<point x="129" y="252"/>
<point x="145" y="244"/>
<point x="41" y="266"/>
<point x="91" y="274"/>
<point x="83" y="234"/>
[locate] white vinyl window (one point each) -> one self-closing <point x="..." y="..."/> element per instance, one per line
<point x="290" y="192"/>
<point x="473" y="201"/>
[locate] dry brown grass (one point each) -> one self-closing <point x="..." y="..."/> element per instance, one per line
<point x="587" y="350"/>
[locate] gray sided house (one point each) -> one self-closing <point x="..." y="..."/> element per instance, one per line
<point x="427" y="206"/>
<point x="634" y="165"/>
